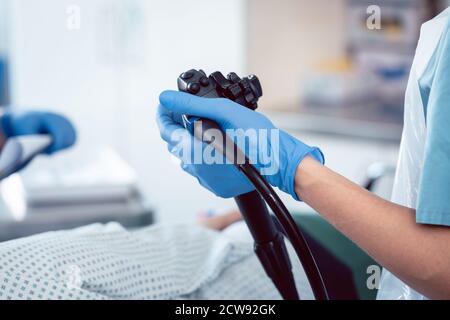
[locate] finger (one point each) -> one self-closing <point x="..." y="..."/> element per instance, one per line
<point x="184" y="103"/>
<point x="166" y="124"/>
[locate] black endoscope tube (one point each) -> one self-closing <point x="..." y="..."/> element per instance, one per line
<point x="228" y="149"/>
<point x="299" y="243"/>
<point x="269" y="243"/>
<point x="253" y="201"/>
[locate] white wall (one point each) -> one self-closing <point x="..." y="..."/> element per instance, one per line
<point x="107" y="75"/>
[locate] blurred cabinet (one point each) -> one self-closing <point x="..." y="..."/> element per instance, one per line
<point x="321" y="62"/>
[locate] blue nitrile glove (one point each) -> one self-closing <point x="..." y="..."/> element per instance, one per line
<point x="58" y="127"/>
<point x="223" y="179"/>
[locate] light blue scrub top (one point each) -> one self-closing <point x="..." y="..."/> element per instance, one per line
<point x="422" y="179"/>
<point x="433" y="206"/>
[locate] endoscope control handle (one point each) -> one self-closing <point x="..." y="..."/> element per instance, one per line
<point x="269" y="243"/>
<point x="263" y="227"/>
<point x="274" y="258"/>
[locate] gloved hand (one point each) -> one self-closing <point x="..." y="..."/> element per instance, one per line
<point x="224" y="179"/>
<point x="35" y="122"/>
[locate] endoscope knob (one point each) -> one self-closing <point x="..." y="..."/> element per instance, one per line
<point x="245" y="91"/>
<point x="256" y="85"/>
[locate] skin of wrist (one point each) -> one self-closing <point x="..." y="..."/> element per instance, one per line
<point x="305" y="176"/>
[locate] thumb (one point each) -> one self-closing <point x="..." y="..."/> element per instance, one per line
<point x="185" y="103"/>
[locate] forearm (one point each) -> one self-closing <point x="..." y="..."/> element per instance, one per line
<point x="418" y="254"/>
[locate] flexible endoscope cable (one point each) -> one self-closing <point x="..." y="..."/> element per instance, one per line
<point x="232" y="152"/>
<point x="294" y="235"/>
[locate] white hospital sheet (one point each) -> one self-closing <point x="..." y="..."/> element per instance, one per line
<point x="177" y="261"/>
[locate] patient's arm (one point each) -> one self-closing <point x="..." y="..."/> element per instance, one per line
<point x="417" y="254"/>
<point x="221" y="221"/>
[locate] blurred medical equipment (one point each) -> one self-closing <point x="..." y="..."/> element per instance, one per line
<point x="61" y="194"/>
<point x="368" y="82"/>
<point x="269" y="240"/>
<point x="25" y="123"/>
<point x="336" y="86"/>
<point x="18" y="152"/>
<point x="382" y="40"/>
<point x="375" y="172"/>
<point x="397" y="23"/>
